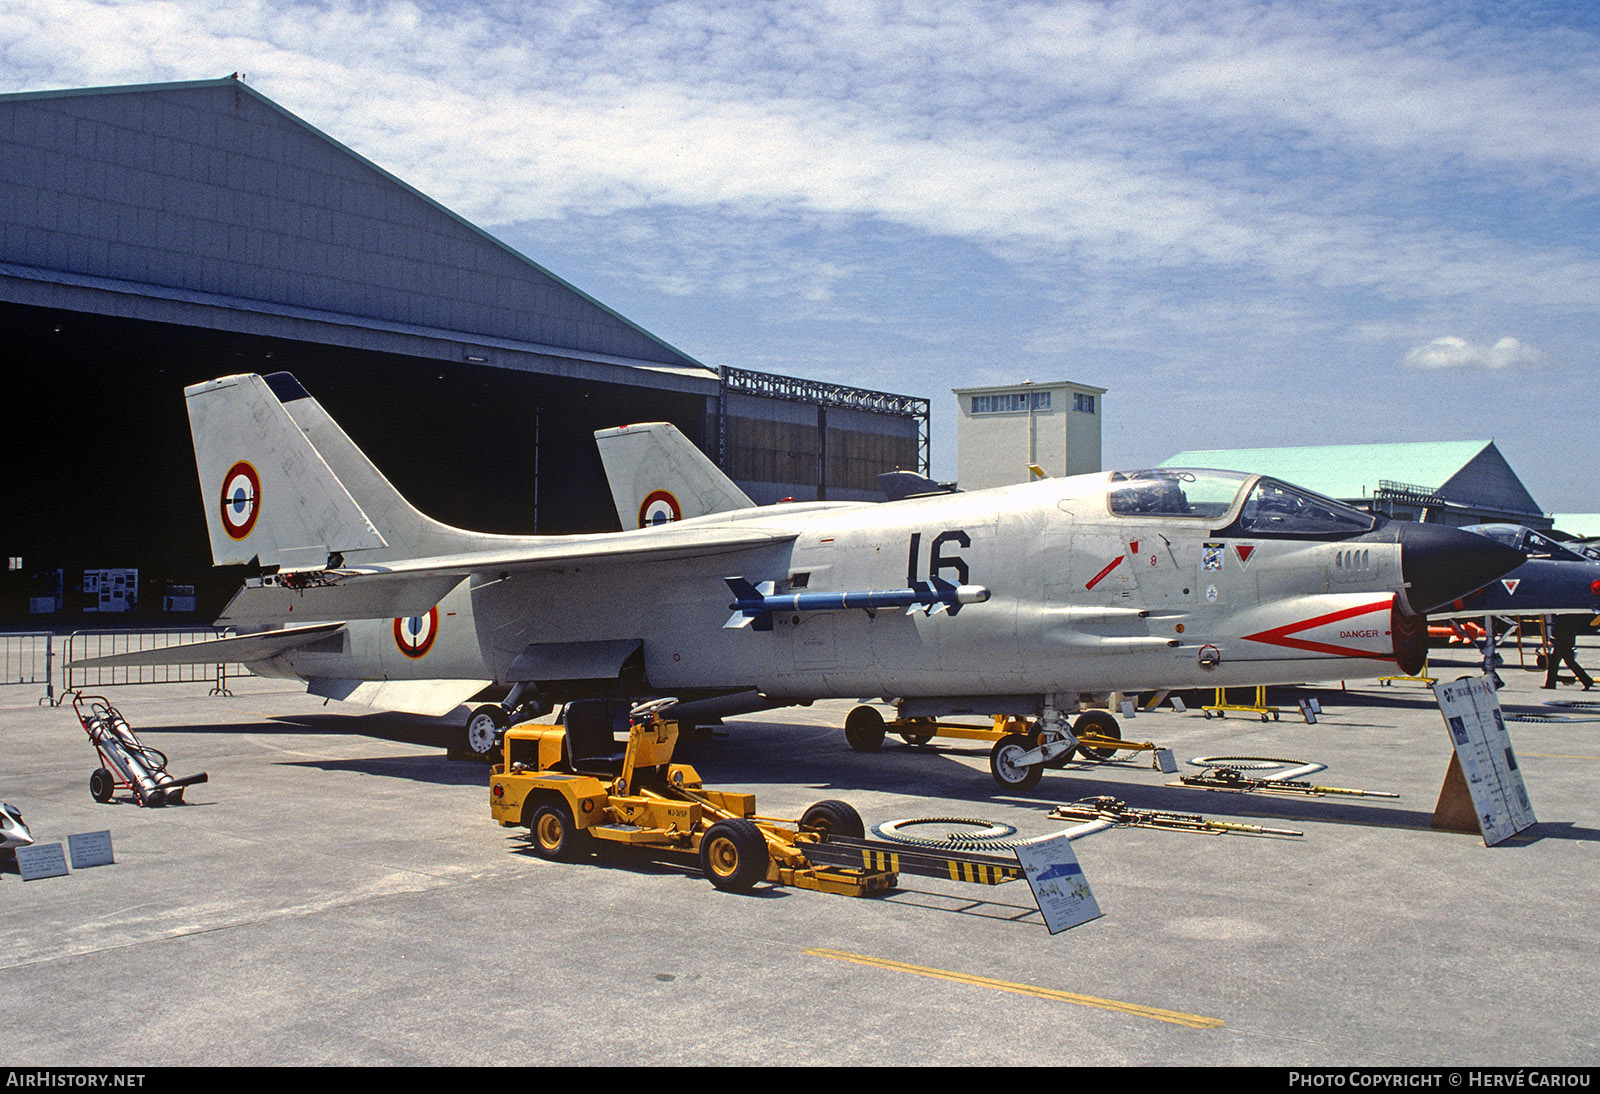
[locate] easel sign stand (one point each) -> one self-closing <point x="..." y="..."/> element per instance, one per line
<point x="1483" y="789"/>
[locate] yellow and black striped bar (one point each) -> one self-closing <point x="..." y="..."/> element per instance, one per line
<point x="967" y="866"/>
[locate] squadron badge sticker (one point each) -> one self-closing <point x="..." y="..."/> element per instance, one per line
<point x="1211" y="557"/>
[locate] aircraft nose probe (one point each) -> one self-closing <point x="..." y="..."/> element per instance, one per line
<point x="1441" y="564"/>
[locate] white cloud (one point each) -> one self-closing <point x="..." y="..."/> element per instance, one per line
<point x="1215" y="191"/>
<point x="1453" y="352"/>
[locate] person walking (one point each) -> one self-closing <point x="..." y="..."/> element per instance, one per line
<point x="1564" y="649"/>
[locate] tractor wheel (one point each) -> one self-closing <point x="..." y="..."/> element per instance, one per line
<point x="733" y="854"/>
<point x="833" y="818"/>
<point x="556" y="835"/>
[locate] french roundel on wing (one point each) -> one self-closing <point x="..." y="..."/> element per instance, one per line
<point x="241" y="499"/>
<point x="659" y="507"/>
<point x="415" y="635"/>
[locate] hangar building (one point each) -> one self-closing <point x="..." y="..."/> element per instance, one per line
<point x="1444" y="482"/>
<point x="156" y="236"/>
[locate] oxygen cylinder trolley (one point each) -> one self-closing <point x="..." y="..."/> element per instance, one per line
<point x="126" y="763"/>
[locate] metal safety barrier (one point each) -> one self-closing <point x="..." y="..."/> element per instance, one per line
<point x="103" y="643"/>
<point x="26" y="659"/>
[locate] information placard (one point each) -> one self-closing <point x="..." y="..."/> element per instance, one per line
<point x="41" y="860"/>
<point x="90" y="849"/>
<point x="1058" y="884"/>
<point x="1485" y="763"/>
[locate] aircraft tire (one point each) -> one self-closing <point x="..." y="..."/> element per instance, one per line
<point x="485" y="726"/>
<point x="556" y="835"/>
<point x="864" y="729"/>
<point x="1101" y="722"/>
<point x="1006" y="771"/>
<point x="834" y="818"/>
<point x="102" y="785"/>
<point x="733" y="855"/>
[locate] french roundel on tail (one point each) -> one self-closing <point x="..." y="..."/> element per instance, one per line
<point x="658" y="475"/>
<point x="241" y="499"/>
<point x="270" y="496"/>
<point x="659" y="507"/>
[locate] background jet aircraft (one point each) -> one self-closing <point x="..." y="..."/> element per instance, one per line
<point x="1553" y="578"/>
<point x="1017" y="600"/>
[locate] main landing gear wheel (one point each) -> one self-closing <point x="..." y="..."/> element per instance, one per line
<point x="486" y="725"/>
<point x="556" y="835"/>
<point x="833" y="818"/>
<point x="733" y="854"/>
<point x="1099" y="722"/>
<point x="863" y="729"/>
<point x="1003" y="764"/>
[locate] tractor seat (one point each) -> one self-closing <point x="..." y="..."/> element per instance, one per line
<point x="592" y="726"/>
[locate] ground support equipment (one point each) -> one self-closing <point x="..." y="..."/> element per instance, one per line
<point x="1222" y="706"/>
<point x="126" y="763"/>
<point x="1422" y="677"/>
<point x="1021" y="749"/>
<point x="899" y="858"/>
<point x="573" y="790"/>
<point x="1112" y="812"/>
<point x="1232" y="779"/>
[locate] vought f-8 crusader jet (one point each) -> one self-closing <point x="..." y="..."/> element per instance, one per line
<point x="1025" y="600"/>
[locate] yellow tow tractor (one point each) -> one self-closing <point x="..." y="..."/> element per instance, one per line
<point x="571" y="788"/>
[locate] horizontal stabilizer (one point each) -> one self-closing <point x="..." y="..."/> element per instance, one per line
<point x="268" y="600"/>
<point x="243" y="648"/>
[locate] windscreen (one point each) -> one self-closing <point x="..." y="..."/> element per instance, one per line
<point x="1174" y="492"/>
<point x="1276" y="508"/>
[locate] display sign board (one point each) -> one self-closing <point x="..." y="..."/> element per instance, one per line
<point x="1058" y="884"/>
<point x="90" y="849"/>
<point x="1485" y="766"/>
<point x="41" y="860"/>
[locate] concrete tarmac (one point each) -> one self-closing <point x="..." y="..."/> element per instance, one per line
<point x="336" y="894"/>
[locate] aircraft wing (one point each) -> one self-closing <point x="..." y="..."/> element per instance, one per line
<point x="216" y="651"/>
<point x="412" y="587"/>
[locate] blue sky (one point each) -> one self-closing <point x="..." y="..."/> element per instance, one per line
<point x="1254" y="223"/>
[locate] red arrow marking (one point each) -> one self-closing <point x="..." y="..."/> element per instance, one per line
<point x="1279" y="636"/>
<point x="1112" y="565"/>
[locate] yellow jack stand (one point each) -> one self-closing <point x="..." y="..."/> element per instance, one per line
<point x="1221" y="706"/>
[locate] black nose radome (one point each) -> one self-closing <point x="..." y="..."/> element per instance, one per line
<point x="1440" y="564"/>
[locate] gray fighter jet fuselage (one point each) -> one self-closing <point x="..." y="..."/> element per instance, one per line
<point x="1019" y="600"/>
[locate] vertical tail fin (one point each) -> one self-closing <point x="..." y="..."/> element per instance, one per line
<point x="269" y="495"/>
<point x="657" y="475"/>
<point x="408" y="531"/>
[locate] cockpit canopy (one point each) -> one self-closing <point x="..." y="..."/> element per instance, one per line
<point x="1530" y="542"/>
<point x="1268" y="507"/>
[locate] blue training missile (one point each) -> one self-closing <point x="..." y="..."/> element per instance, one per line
<point x="754" y="604"/>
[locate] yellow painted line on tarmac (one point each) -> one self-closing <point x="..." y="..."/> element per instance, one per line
<point x="1176" y="1017"/>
